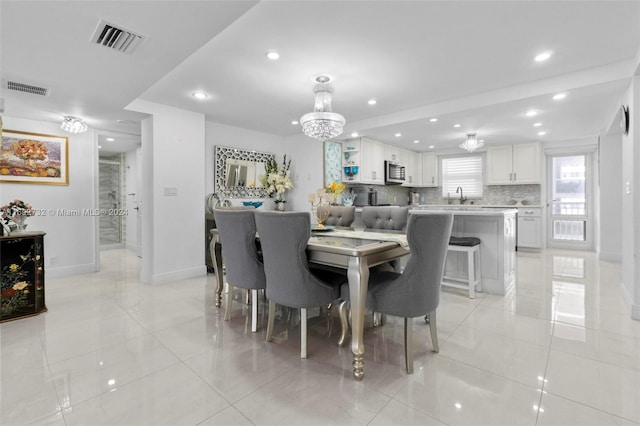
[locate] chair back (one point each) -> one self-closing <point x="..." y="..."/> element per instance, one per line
<point x="284" y="237"/>
<point x="385" y="217"/>
<point x="338" y="216"/>
<point x="416" y="291"/>
<point x="237" y="231"/>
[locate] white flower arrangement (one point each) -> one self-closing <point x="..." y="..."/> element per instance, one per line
<point x="277" y="180"/>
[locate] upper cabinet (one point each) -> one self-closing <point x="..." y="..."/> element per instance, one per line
<point x="413" y="169"/>
<point x="429" y="169"/>
<point x="395" y="154"/>
<point x="368" y="156"/>
<point x="514" y="164"/>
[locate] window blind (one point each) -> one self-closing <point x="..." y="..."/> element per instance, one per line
<point x="464" y="172"/>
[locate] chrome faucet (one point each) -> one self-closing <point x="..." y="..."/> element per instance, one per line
<point x="462" y="199"/>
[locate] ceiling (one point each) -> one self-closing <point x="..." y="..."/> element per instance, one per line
<point x="462" y="62"/>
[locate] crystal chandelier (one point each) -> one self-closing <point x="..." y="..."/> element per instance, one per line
<point x="322" y="124"/>
<point x="471" y="143"/>
<point x="73" y="125"/>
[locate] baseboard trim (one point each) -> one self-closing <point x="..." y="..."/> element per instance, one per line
<point x="610" y="257"/>
<point x="66" y="271"/>
<point x="634" y="308"/>
<point x="183" y="274"/>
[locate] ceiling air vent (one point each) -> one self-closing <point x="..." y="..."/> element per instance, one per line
<point x="27" y="88"/>
<point x="116" y="38"/>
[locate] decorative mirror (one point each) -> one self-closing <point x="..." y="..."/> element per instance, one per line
<point x="238" y="172"/>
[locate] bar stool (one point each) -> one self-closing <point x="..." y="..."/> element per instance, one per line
<point x="471" y="246"/>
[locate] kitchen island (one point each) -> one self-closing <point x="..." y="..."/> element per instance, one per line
<point x="496" y="228"/>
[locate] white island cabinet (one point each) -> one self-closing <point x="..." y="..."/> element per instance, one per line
<point x="496" y="228"/>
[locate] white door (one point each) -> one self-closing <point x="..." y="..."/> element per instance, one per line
<point x="569" y="206"/>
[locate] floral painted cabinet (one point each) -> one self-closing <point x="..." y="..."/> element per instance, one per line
<point x="22" y="274"/>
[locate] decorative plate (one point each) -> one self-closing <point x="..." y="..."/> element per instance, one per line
<point x="325" y="229"/>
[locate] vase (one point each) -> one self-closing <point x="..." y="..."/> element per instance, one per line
<point x="279" y="202"/>
<point x="20" y="224"/>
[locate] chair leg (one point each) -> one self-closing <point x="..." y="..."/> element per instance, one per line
<point x="343" y="312"/>
<point x="472" y="274"/>
<point x="254" y="311"/>
<point x="270" y="320"/>
<point x="303" y="333"/>
<point x="434" y="331"/>
<point x="408" y="344"/>
<point x="228" y="301"/>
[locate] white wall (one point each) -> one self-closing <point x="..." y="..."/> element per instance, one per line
<point x="173" y="157"/>
<point x="610" y="216"/>
<point x="631" y="204"/>
<point x="70" y="243"/>
<point x="132" y="174"/>
<point x="307" y="172"/>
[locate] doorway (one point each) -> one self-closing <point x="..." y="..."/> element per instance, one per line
<point x="570" y="209"/>
<point x="111" y="190"/>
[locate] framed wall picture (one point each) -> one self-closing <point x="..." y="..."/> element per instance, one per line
<point x="34" y="158"/>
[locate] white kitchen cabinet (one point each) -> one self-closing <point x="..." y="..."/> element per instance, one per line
<point x="529" y="227"/>
<point x="413" y="169"/>
<point x="429" y="169"/>
<point x="395" y="154"/>
<point x="371" y="161"/>
<point x="514" y="164"/>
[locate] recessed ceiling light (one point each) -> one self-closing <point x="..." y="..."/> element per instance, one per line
<point x="541" y="57"/>
<point x="456" y="125"/>
<point x="273" y="55"/>
<point x="372" y="102"/>
<point x="199" y="95"/>
<point x="294" y="122"/>
<point x="433" y="120"/>
<point x="531" y="113"/>
<point x="431" y="146"/>
<point x="99" y="146"/>
<point x="559" y="96"/>
<point x="354" y="134"/>
<point x="537" y="124"/>
<point x="398" y="135"/>
<point x="110" y="139"/>
<point x="416" y="141"/>
<point x="542" y="133"/>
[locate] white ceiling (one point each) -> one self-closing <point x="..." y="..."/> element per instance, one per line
<point x="463" y="62"/>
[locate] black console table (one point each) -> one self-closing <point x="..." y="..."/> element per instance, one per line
<point x="22" y="275"/>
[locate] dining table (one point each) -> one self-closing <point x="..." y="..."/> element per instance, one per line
<point x="355" y="250"/>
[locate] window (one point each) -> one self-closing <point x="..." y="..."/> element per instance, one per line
<point x="464" y="172"/>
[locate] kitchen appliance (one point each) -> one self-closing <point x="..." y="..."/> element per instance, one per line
<point x="361" y="196"/>
<point x="372" y="197"/>
<point x="414" y="198"/>
<point x="394" y="173"/>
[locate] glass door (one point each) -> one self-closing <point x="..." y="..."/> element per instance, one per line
<point x="569" y="221"/>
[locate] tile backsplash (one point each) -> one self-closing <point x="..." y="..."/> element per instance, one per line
<point x="492" y="195"/>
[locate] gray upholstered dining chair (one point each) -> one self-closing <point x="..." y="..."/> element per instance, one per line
<point x="338" y="215"/>
<point x="243" y="263"/>
<point x="416" y="291"/>
<point x="391" y="218"/>
<point x="290" y="280"/>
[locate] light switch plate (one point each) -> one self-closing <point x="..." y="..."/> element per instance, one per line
<point x="627" y="187"/>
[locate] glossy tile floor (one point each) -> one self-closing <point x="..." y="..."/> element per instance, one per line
<point x="559" y="350"/>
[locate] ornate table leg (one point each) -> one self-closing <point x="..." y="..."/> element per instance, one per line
<point x="358" y="275"/>
<point x="216" y="255"/>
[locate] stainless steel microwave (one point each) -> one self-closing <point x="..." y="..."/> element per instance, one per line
<point x="394" y="173"/>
